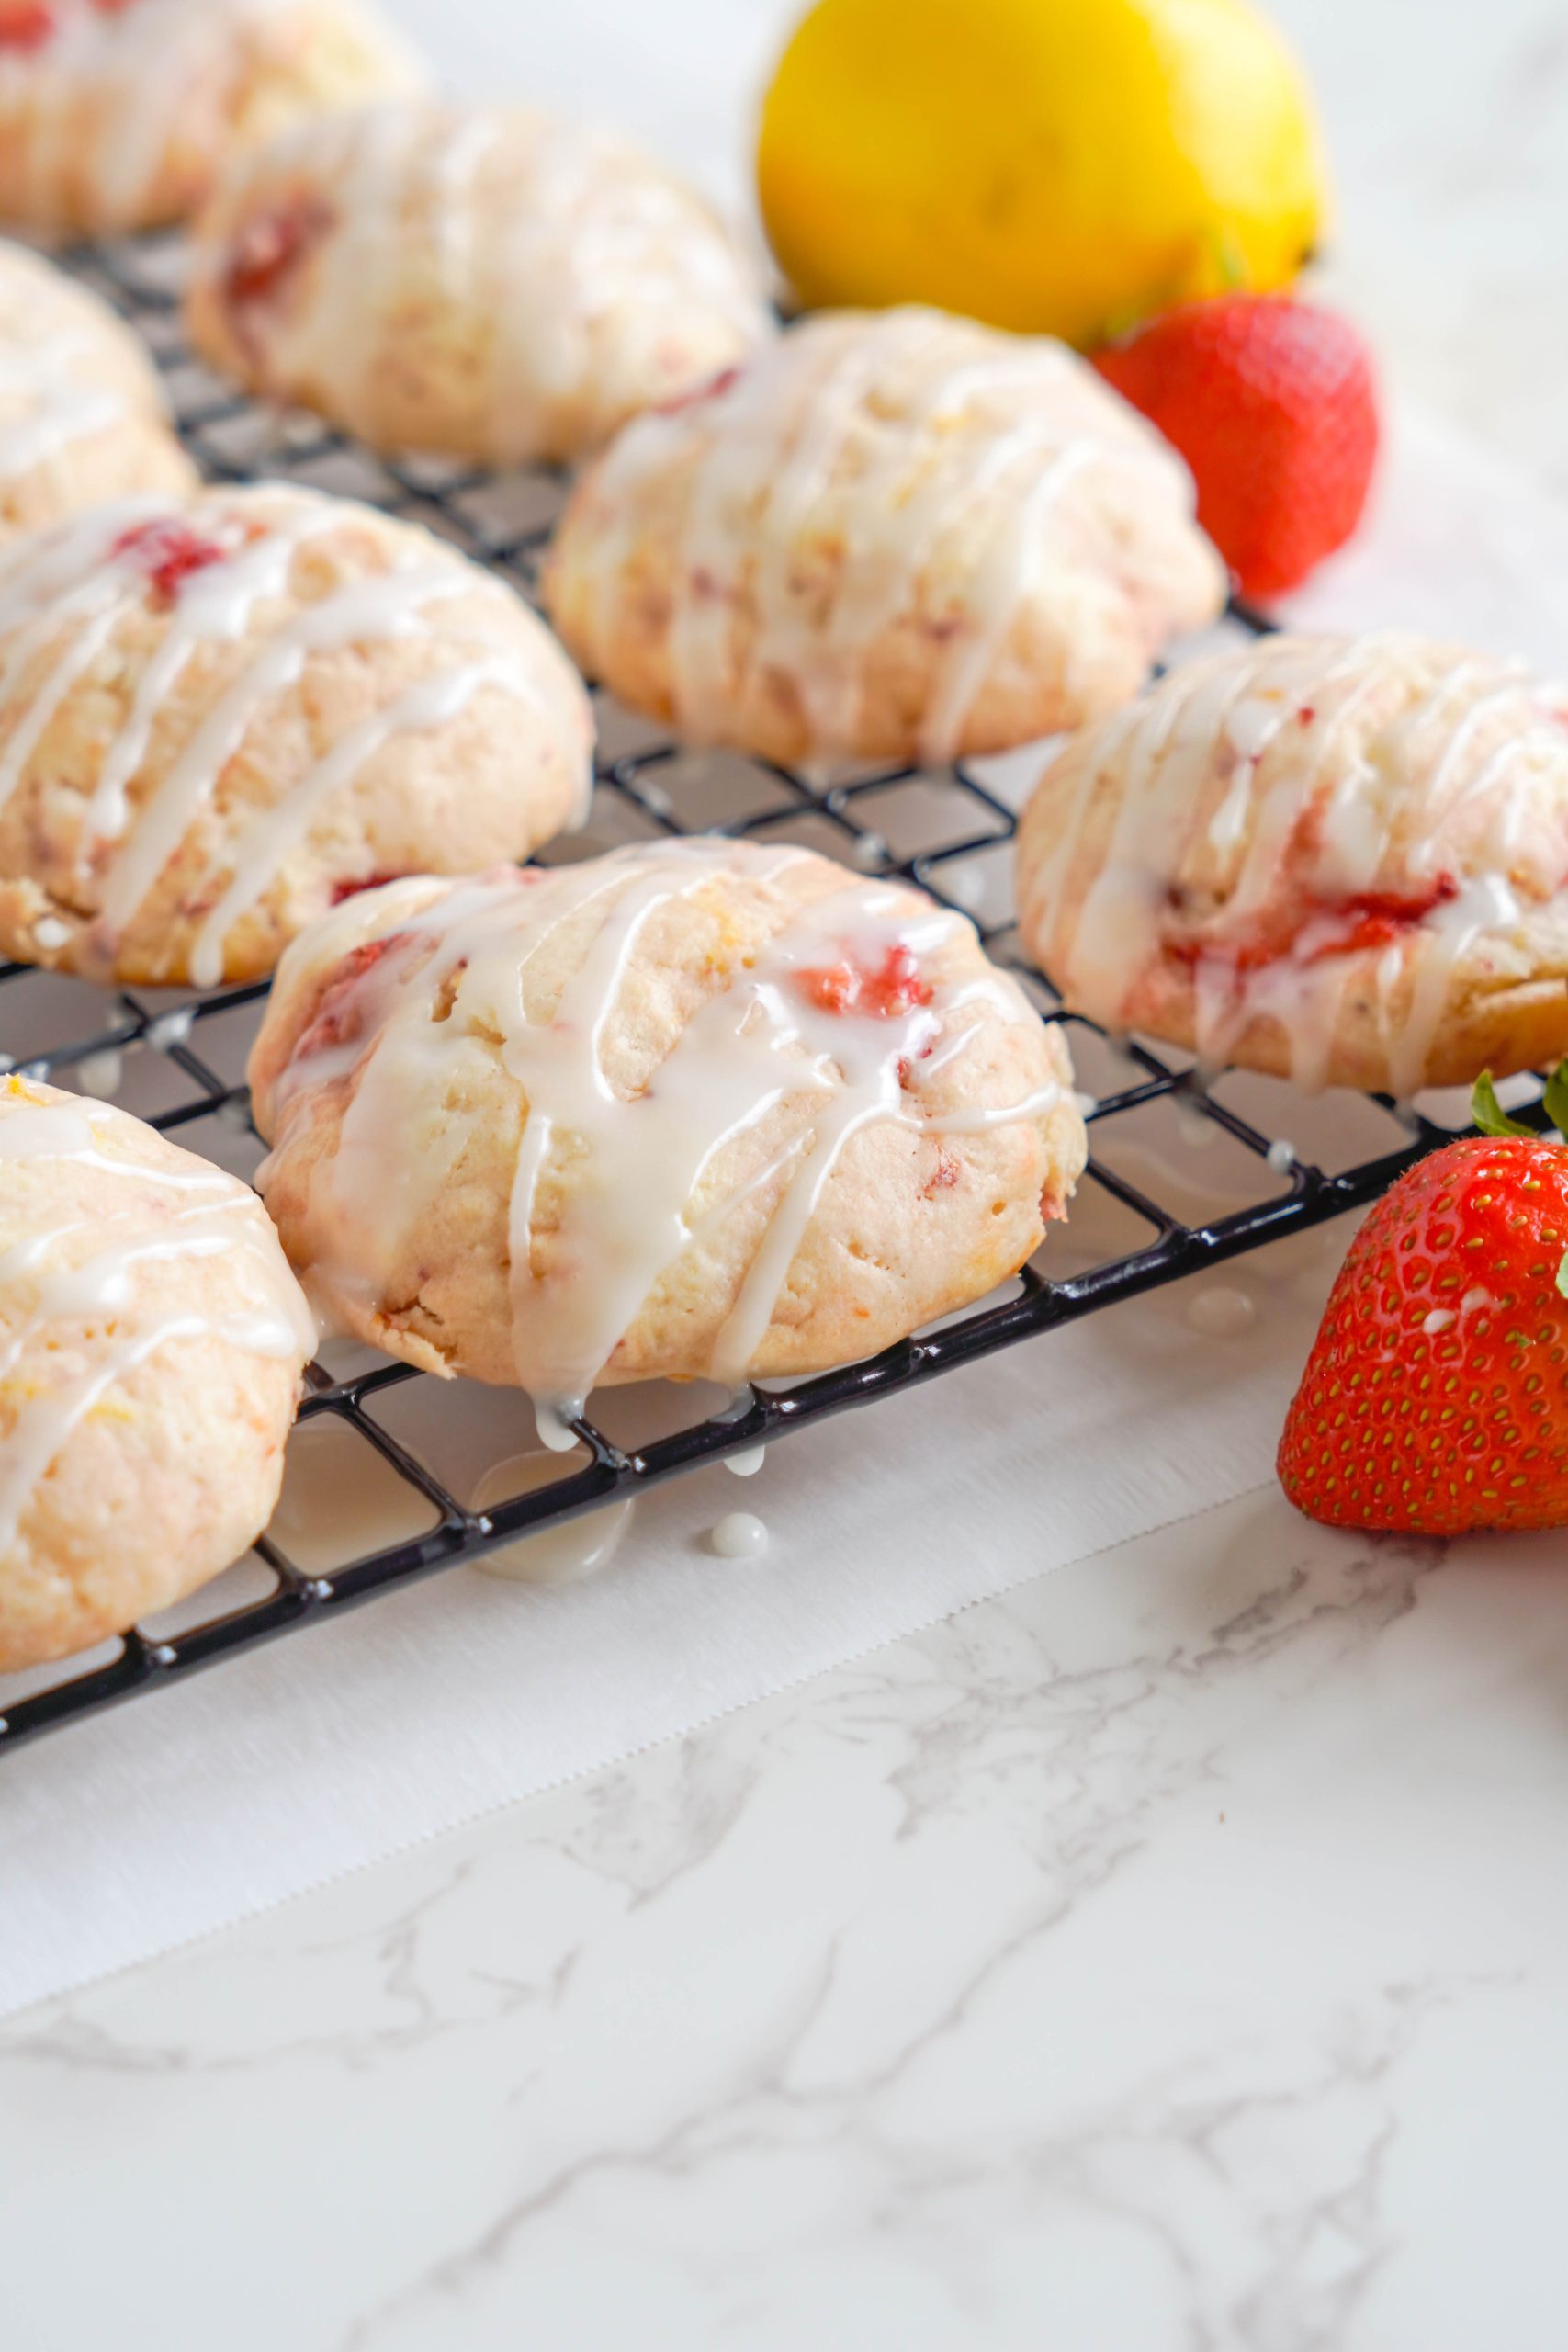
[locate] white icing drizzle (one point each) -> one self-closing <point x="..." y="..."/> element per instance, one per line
<point x="1475" y="811"/>
<point x="1005" y="578"/>
<point x="364" y="160"/>
<point x="273" y="833"/>
<point x="69" y="374"/>
<point x="634" y="1212"/>
<point x="213" y="605"/>
<point x="540" y="230"/>
<point x="149" y="61"/>
<point x="49" y="403"/>
<point x="366" y="611"/>
<point x="454" y="165"/>
<point x="72" y="589"/>
<point x="274" y="1323"/>
<point x="599" y="231"/>
<point x="877" y="420"/>
<point x="542" y="330"/>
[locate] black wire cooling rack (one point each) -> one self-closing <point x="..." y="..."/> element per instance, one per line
<point x="949" y="834"/>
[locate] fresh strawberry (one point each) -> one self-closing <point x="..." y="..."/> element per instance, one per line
<point x="1274" y="405"/>
<point x="1435" y="1397"/>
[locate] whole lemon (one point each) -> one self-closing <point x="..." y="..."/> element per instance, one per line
<point x="1056" y="166"/>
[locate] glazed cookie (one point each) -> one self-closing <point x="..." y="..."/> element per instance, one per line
<point x="151" y="1340"/>
<point x="700" y="1109"/>
<point x="82" y="414"/>
<point x="895" y="537"/>
<point x="1341" y="862"/>
<point x="492" y="284"/>
<point x="215" y="721"/>
<point x="114" y="115"/>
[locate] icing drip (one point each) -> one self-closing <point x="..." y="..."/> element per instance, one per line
<point x="739" y="1536"/>
<point x="884" y="420"/>
<point x="566" y="1553"/>
<point x="73" y="587"/>
<point x="222" y="1221"/>
<point x="1327" y="863"/>
<point x="641" y="1197"/>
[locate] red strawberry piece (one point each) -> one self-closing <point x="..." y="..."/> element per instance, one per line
<point x="269" y="249"/>
<point x="338" y="1014"/>
<point x="168" y="551"/>
<point x="342" y="890"/>
<point x="1377" y="918"/>
<point x="883" y="992"/>
<point x="711" y="389"/>
<point x="1318" y="929"/>
<point x="1435" y="1401"/>
<point x="1273" y="403"/>
<point x="25" y="24"/>
<point x="944" y="1177"/>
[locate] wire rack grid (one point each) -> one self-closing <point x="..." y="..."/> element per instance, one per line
<point x="950" y="834"/>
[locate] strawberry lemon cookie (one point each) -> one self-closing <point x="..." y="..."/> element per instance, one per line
<point x="491" y="283"/>
<point x="1342" y="862"/>
<point x="700" y="1109"/>
<point x="114" y="115"/>
<point x="217" y="719"/>
<point x="888" y="537"/>
<point x="82" y="414"/>
<point x="151" y="1340"/>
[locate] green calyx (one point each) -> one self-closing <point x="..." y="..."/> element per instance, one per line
<point x="1492" y="1120"/>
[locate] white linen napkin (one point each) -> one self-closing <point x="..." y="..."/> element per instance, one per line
<point x="125" y="1836"/>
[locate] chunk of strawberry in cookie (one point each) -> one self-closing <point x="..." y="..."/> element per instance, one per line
<point x="270" y="249"/>
<point x="26" y="25"/>
<point x="1313" y="932"/>
<point x="339" y="1018"/>
<point x="887" y="990"/>
<point x="710" y="390"/>
<point x="342" y="890"/>
<point x="167" y="551"/>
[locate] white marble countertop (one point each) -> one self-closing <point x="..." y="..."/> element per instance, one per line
<point x="1166" y="1957"/>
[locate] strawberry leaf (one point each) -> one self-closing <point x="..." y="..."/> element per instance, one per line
<point x="1488" y="1112"/>
<point x="1556" y="1098"/>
